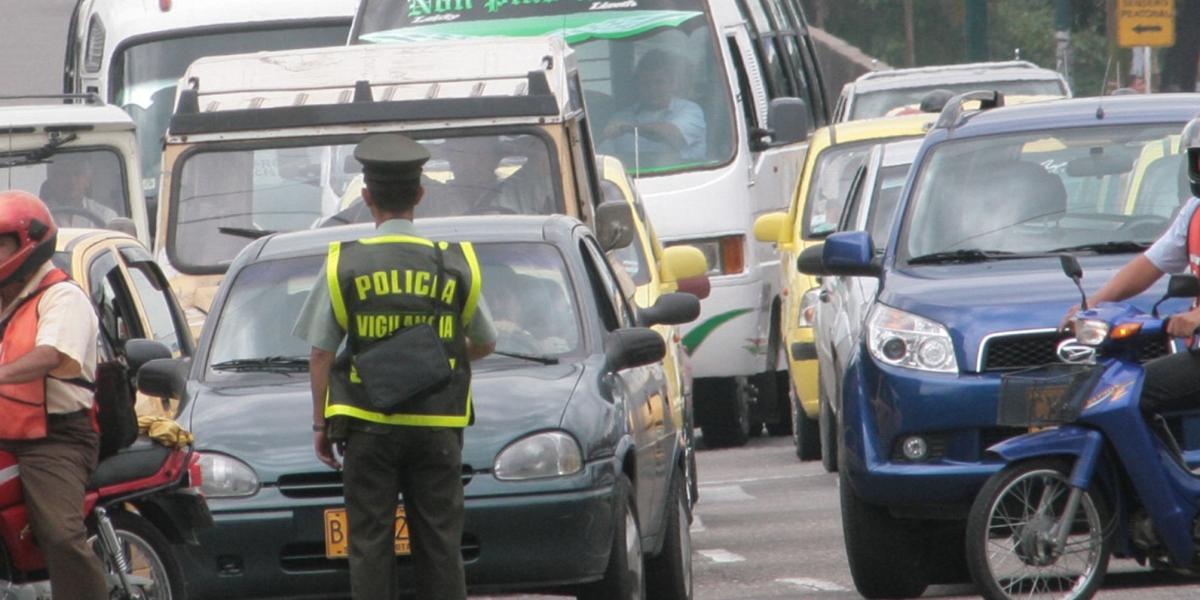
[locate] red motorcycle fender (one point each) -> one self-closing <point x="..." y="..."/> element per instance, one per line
<point x="18" y="539"/>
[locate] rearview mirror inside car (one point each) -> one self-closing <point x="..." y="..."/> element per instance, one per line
<point x="670" y="309"/>
<point x="633" y="347"/>
<point x="614" y="225"/>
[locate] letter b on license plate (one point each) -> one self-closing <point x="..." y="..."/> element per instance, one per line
<point x="337" y="533"/>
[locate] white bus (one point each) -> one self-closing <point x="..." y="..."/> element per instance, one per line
<point x="708" y="102"/>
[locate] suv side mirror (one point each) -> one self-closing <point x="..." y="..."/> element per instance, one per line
<point x="614" y="225"/>
<point x="633" y="347"/>
<point x="850" y="253"/>
<point x="1183" y="286"/>
<point x="670" y="309"/>
<point x="163" y="378"/>
<point x="788" y="120"/>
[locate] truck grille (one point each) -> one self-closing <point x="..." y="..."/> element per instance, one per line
<point x="1023" y="350"/>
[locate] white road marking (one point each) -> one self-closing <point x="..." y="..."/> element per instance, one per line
<point x="697" y="524"/>
<point x="721" y="556"/>
<point x="813" y="585"/>
<point x="707" y="484"/>
<point x="725" y="493"/>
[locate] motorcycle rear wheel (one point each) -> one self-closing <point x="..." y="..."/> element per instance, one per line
<point x="1006" y="557"/>
<point x="149" y="556"/>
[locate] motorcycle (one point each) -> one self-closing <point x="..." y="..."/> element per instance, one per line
<point x="1094" y="476"/>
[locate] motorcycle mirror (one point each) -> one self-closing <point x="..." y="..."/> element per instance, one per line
<point x="1183" y="286"/>
<point x="1071" y="268"/>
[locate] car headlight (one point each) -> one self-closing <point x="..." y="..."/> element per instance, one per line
<point x="546" y="454"/>
<point x="903" y="339"/>
<point x="1091" y="332"/>
<point x="223" y="476"/>
<point x="808" y="307"/>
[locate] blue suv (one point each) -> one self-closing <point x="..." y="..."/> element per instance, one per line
<point x="970" y="288"/>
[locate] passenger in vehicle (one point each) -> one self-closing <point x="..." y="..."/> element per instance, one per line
<point x="1019" y="194"/>
<point x="65" y="190"/>
<point x="661" y="128"/>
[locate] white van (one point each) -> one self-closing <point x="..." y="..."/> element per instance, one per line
<point x="708" y="102"/>
<point x="131" y="53"/>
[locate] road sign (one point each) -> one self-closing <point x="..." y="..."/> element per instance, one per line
<point x="1145" y="23"/>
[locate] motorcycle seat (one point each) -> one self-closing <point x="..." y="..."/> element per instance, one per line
<point x="141" y="459"/>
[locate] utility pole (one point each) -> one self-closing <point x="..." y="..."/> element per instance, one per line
<point x="910" y="43"/>
<point x="976" y="30"/>
<point x="1062" y="39"/>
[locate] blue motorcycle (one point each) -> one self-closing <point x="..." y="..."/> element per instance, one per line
<point x="1094" y="477"/>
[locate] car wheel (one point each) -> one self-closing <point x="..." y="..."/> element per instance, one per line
<point x="885" y="559"/>
<point x="806" y="434"/>
<point x="828" y="433"/>
<point x="730" y="424"/>
<point x="669" y="575"/>
<point x="783" y="381"/>
<point x="625" y="576"/>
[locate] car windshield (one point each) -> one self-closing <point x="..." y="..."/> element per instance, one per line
<point x="526" y="287"/>
<point x="868" y="105"/>
<point x="653" y="79"/>
<point x="830" y="186"/>
<point x="145" y="74"/>
<point x="1037" y="192"/>
<point x="82" y="187"/>
<point x="226" y="198"/>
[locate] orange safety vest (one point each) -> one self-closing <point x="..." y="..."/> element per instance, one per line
<point x="23" y="405"/>
<point x="1193" y="243"/>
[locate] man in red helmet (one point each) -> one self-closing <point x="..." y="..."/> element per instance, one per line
<point x="48" y="338"/>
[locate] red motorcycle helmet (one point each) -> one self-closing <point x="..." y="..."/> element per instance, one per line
<point x="1190" y="141"/>
<point x="25" y="217"/>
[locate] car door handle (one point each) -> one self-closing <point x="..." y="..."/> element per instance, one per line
<point x="823" y="296"/>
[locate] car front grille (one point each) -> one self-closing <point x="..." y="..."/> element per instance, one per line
<point x="329" y="484"/>
<point x="1008" y="351"/>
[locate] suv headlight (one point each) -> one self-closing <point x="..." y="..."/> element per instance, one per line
<point x="546" y="454"/>
<point x="223" y="476"/>
<point x="902" y="339"/>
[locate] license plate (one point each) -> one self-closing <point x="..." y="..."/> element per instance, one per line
<point x="337" y="544"/>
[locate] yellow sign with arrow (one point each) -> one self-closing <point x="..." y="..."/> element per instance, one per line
<point x="1146" y="23"/>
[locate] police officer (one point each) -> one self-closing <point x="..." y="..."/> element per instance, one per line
<point x="416" y="452"/>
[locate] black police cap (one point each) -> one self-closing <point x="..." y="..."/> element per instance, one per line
<point x="391" y="158"/>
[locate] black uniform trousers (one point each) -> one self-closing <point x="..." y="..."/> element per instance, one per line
<point x="425" y="465"/>
<point x="1172" y="383"/>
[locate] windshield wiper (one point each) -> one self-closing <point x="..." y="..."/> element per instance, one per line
<point x="267" y="363"/>
<point x="545" y="360"/>
<point x="1119" y="247"/>
<point x="245" y="232"/>
<point x="969" y="255"/>
<point x="39" y="155"/>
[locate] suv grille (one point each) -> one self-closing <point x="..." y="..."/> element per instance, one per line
<point x="1023" y="350"/>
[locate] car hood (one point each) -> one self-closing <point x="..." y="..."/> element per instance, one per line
<point x="978" y="299"/>
<point x="267" y="424"/>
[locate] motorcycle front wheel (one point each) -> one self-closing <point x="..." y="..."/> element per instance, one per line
<point x="1009" y="548"/>
<point x="151" y="566"/>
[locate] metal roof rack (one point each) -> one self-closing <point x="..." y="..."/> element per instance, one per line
<point x="953" y="113"/>
<point x="87" y="98"/>
<point x="1008" y="64"/>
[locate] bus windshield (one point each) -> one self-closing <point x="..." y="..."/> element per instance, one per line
<point x="145" y="74"/>
<point x="653" y="78"/>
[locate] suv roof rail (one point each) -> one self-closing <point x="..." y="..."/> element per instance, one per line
<point x="952" y="114"/>
<point x="87" y="98"/>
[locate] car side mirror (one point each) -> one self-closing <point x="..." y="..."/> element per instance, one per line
<point x="139" y="351"/>
<point x="850" y="253"/>
<point x="812" y="260"/>
<point x="633" y="347"/>
<point x="163" y="378"/>
<point x="787" y="118"/>
<point x="670" y="309"/>
<point x="1183" y="286"/>
<point x="770" y="227"/>
<point x="614" y="225"/>
<point x="683" y="262"/>
<point x="699" y="287"/>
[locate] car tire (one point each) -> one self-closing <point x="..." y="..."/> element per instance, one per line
<point x="885" y="559"/>
<point x="828" y="434"/>
<point x="786" y="417"/>
<point x="730" y="426"/>
<point x="669" y="574"/>
<point x="625" y="576"/>
<point x="806" y="435"/>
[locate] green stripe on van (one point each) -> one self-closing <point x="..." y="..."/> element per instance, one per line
<point x="696" y="336"/>
<point x="574" y="28"/>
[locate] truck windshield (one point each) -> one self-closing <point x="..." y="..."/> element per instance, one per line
<point x="145" y="74"/>
<point x="1062" y="190"/>
<point x="83" y="187"/>
<point x="653" y="78"/>
<point x="228" y="197"/>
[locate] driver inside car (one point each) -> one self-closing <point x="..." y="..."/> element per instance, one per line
<point x="1172" y="380"/>
<point x="65" y="191"/>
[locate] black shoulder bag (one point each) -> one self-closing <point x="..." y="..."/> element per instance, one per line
<point x="408" y="365"/>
